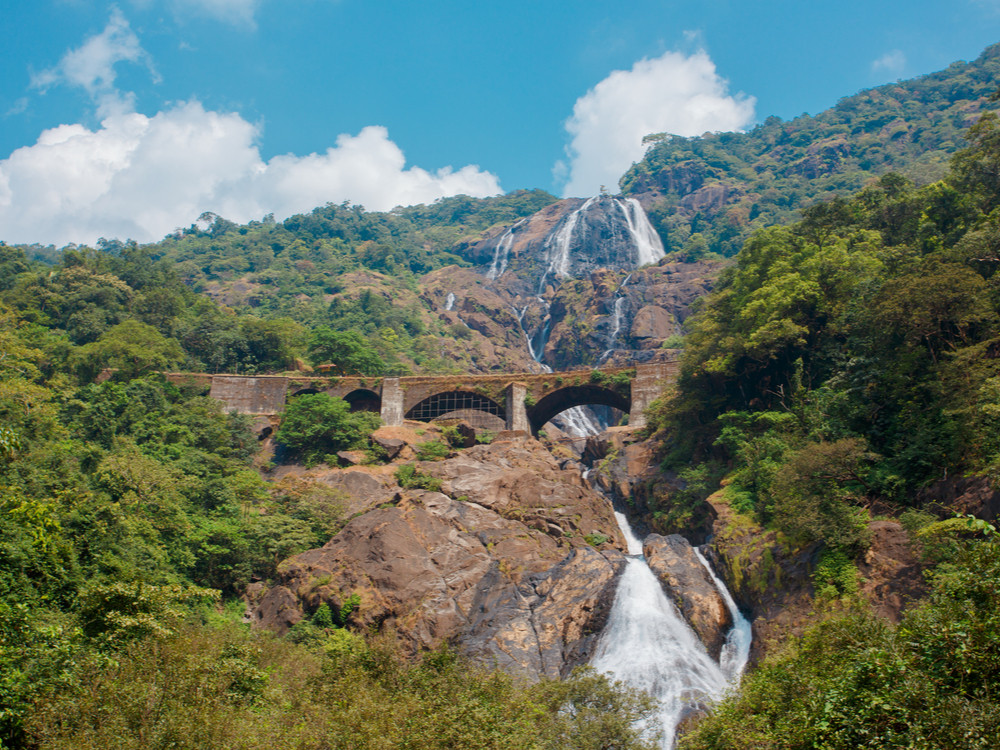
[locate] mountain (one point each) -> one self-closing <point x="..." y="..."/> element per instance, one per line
<point x="708" y="193"/>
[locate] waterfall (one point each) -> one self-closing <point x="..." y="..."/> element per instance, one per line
<point x="648" y="245"/>
<point x="575" y="421"/>
<point x="647" y="644"/>
<point x="559" y="245"/>
<point x="502" y="251"/>
<point x="616" y="320"/>
<point x="736" y="651"/>
<point x="449" y="302"/>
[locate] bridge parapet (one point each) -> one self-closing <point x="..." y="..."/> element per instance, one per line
<point x="521" y="401"/>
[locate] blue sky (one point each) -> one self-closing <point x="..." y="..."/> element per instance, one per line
<point x="130" y="119"/>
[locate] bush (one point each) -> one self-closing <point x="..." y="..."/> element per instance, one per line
<point x="410" y="477"/>
<point x="316" y="425"/>
<point x="432" y="450"/>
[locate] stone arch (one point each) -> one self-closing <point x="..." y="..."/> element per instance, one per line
<point x="569" y="396"/>
<point x="437" y="405"/>
<point x="304" y="391"/>
<point x="364" y="399"/>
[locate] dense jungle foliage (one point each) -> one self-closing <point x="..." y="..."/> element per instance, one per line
<point x="132" y="514"/>
<point x="261" y="297"/>
<point x="842" y="365"/>
<point x="711" y="192"/>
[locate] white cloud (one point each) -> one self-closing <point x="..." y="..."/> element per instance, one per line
<point x="673" y="93"/>
<point x="893" y="63"/>
<point x="92" y="65"/>
<point x="142" y="177"/>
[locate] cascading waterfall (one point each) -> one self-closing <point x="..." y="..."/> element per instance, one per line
<point x="575" y="421"/>
<point x="558" y="246"/>
<point x="502" y="252"/>
<point x="449" y="302"/>
<point x="648" y="245"/>
<point x="736" y="651"/>
<point x="616" y="320"/>
<point x="648" y="645"/>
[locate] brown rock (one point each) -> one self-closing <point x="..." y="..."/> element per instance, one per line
<point x="654" y="322"/>
<point x="686" y="582"/>
<point x="392" y="446"/>
<point x="506" y="575"/>
<point x="354" y="458"/>
<point x="892" y="570"/>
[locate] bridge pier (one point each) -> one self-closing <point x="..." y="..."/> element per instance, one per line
<point x="392" y="402"/>
<point x="647" y="386"/>
<point x="517" y="414"/>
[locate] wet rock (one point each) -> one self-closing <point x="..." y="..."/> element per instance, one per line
<point x="690" y="587"/>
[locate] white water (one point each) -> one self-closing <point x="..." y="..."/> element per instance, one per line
<point x="648" y="245"/>
<point x="502" y="251"/>
<point x="449" y="302"/>
<point x="559" y="245"/>
<point x="574" y="421"/>
<point x="648" y="645"/>
<point x="736" y="651"/>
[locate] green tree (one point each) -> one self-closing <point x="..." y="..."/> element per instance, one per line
<point x="316" y="425"/>
<point x="346" y="351"/>
<point x="133" y="348"/>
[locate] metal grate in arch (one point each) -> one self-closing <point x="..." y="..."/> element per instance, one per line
<point x="435" y="406"/>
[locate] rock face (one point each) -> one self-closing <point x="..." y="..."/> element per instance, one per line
<point x="564" y="287"/>
<point x="692" y="590"/>
<point x="505" y="572"/>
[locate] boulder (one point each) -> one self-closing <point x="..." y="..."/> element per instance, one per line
<point x="690" y="587"/>
<point x="392" y="446"/>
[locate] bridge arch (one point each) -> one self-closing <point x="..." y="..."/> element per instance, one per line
<point x="586" y="394"/>
<point x="364" y="399"/>
<point x="438" y="405"/>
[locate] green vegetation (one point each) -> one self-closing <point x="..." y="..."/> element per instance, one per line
<point x="596" y="539"/>
<point x="719" y="188"/>
<point x="409" y="476"/>
<point x="847" y="359"/>
<point x="844" y="363"/>
<point x="857" y="681"/>
<point x="206" y="687"/>
<point x="432" y="450"/>
<point x="316" y="426"/>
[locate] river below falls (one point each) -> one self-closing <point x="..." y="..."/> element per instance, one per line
<point x="647" y="644"/>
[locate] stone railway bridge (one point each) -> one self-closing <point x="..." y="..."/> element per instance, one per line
<point x="520" y="401"/>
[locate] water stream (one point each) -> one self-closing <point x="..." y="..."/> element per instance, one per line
<point x="647" y="644"/>
<point x="648" y="245"/>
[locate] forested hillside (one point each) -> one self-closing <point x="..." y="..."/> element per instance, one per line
<point x="707" y="194"/>
<point x="844" y="372"/>
<point x="846" y="369"/>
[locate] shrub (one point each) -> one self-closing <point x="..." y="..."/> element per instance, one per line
<point x="410" y="477"/>
<point x="432" y="450"/>
<point x="316" y="425"/>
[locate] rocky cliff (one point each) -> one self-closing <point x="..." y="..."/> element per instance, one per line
<point x="578" y="283"/>
<point x="515" y="561"/>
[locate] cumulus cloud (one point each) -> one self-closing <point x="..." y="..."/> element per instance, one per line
<point x="674" y="93"/>
<point x="892" y="63"/>
<point x="142" y="177"/>
<point x="92" y="65"/>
